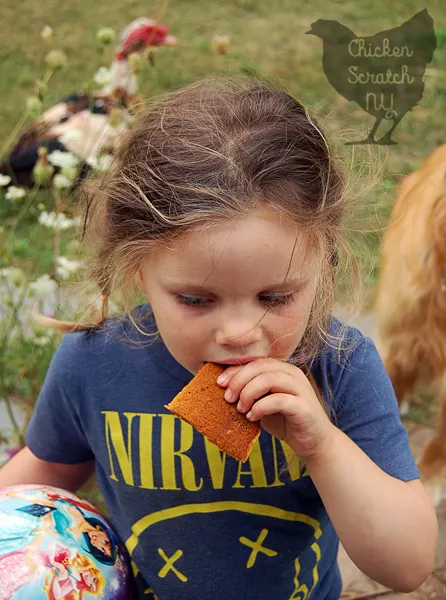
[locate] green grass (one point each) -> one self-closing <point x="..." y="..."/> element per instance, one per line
<point x="422" y="408"/>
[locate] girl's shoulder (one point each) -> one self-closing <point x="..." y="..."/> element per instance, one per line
<point x="361" y="400"/>
<point x="348" y="360"/>
<point x="343" y="341"/>
<point x="115" y="340"/>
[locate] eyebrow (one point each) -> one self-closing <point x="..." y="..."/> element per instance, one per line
<point x="284" y="286"/>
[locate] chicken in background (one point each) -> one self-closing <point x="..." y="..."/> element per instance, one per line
<point x="80" y="122"/>
<point x="356" y="68"/>
<point x="410" y="307"/>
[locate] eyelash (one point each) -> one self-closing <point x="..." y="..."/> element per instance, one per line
<point x="277" y="300"/>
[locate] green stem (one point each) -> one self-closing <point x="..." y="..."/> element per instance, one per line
<point x="57" y="249"/>
<point x="25" y="207"/>
<point x="9" y="327"/>
<point x="47" y="77"/>
<point x="10" y="140"/>
<point x="3" y="345"/>
<point x="18" y="432"/>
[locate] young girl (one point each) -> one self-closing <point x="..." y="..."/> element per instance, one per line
<point x="225" y="209"/>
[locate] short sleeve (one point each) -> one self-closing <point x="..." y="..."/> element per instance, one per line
<point x="55" y="433"/>
<point x="367" y="411"/>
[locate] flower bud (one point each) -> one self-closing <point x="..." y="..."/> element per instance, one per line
<point x="47" y="33"/>
<point x="149" y="55"/>
<point x="43" y="173"/>
<point x="135" y="62"/>
<point x="33" y="106"/>
<point x="56" y="59"/>
<point x="220" y="44"/>
<point x="14" y="274"/>
<point x="106" y="36"/>
<point x="115" y="117"/>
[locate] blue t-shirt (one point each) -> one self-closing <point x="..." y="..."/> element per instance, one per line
<point x="196" y="522"/>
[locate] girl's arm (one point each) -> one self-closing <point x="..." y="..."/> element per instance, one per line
<point x="382" y="522"/>
<point x="25" y="468"/>
<point x="388" y="527"/>
<point x="80" y="524"/>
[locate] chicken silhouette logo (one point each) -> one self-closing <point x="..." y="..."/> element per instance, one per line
<point x="382" y="73"/>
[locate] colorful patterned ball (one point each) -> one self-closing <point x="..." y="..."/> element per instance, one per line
<point x="56" y="546"/>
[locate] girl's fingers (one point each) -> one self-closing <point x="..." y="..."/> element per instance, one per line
<point x="285" y="404"/>
<point x="225" y="378"/>
<point x="269" y="382"/>
<point x="246" y="373"/>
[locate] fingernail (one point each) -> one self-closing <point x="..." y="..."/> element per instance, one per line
<point x="222" y="378"/>
<point x="228" y="394"/>
<point x="239" y="407"/>
<point x="249" y="415"/>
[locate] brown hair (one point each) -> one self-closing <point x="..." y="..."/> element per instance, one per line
<point x="213" y="151"/>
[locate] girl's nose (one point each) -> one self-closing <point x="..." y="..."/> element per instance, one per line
<point x="235" y="335"/>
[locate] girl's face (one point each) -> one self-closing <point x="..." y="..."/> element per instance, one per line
<point x="100" y="540"/>
<point x="90" y="579"/>
<point x="243" y="310"/>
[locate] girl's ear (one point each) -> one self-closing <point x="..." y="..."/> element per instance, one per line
<point x="139" y="280"/>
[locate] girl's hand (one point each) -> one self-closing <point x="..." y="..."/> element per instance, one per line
<point x="291" y="411"/>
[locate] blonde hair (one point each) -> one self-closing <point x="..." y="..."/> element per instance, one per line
<point x="213" y="151"/>
<point x="83" y="564"/>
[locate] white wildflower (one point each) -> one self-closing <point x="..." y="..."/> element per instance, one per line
<point x="102" y="163"/>
<point x="14" y="274"/>
<point x="63" y="159"/>
<point x="61" y="182"/>
<point x="43" y="286"/>
<point x="46" y="33"/>
<point x="66" y="267"/>
<point x="15" y="193"/>
<point x="4" y="180"/>
<point x="70" y="173"/>
<point x="42" y="340"/>
<point x="72" y="135"/>
<point x="103" y="76"/>
<point x="52" y="221"/>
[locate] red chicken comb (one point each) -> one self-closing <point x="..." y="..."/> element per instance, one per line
<point x="147" y="34"/>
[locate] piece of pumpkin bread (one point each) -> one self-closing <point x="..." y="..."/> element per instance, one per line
<point x="201" y="404"/>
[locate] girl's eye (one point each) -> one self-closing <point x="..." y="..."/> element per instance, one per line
<point x="271" y="300"/>
<point x="190" y="301"/>
<point x="278" y="300"/>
